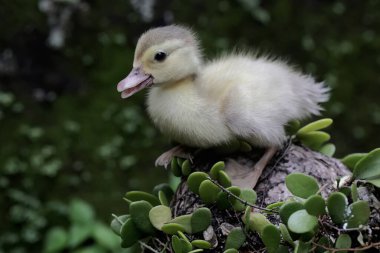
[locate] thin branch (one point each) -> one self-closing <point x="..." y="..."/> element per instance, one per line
<point x="372" y="245"/>
<point x="148" y="247"/>
<point x="344" y="229"/>
<point x="244" y="202"/>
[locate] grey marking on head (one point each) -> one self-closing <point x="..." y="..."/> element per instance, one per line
<point x="159" y="35"/>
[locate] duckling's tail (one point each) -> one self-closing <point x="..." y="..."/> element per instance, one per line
<point x="312" y="94"/>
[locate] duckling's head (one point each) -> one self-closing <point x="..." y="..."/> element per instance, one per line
<point x="163" y="56"/>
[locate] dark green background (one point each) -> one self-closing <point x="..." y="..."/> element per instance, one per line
<point x="65" y="133"/>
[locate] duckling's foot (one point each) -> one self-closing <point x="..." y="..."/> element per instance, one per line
<point x="177" y="151"/>
<point x="246" y="177"/>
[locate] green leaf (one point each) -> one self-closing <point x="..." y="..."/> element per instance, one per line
<point x="275" y="205"/>
<point x="235" y="190"/>
<point x="162" y="197"/>
<point x="301" y="222"/>
<point x="245" y="218"/>
<point x="172" y="228"/>
<point x="351" y="160"/>
<point x="337" y="207"/>
<point x="369" y="166"/>
<point x="176" y="244"/>
<point x="130" y="234"/>
<point x="208" y="192"/>
<point x="257" y="222"/>
<point x="375" y="182"/>
<point x="222" y="200"/>
<point x="116" y="223"/>
<point x="271" y="238"/>
<point x="165" y="188"/>
<point x="195" y="179"/>
<point x="201" y="244"/>
<point x="359" y="214"/>
<point x="186" y="245"/>
<point x="105" y="237"/>
<point x="248" y="195"/>
<point x="328" y="149"/>
<point x="175" y="168"/>
<point x="186" y="168"/>
<point x="140" y="195"/>
<point x="214" y="171"/>
<point x="201" y="219"/>
<point x="224" y="179"/>
<point x="196" y="251"/>
<point x="343" y="242"/>
<point x="235" y="238"/>
<point x="301" y="185"/>
<point x="90" y="249"/>
<point x="184" y="221"/>
<point x="55" y="240"/>
<point x="292" y="127"/>
<point x="159" y="215"/>
<point x="314" y="140"/>
<point x="288" y="209"/>
<point x="286" y="235"/>
<point x="139" y="211"/>
<point x="323" y="241"/>
<point x="302" y="247"/>
<point x="314" y="126"/>
<point x="315" y="205"/>
<point x="80" y="212"/>
<point x="77" y="234"/>
<point x="231" y="251"/>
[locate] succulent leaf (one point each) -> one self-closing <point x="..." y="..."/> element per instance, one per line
<point x="301" y="222"/>
<point x="159" y="215"/>
<point x="208" y="192"/>
<point x="235" y="238"/>
<point x="139" y="211"/>
<point x="314" y="126"/>
<point x="337" y="207"/>
<point x="288" y="209"/>
<point x="140" y="195"/>
<point x="271" y="238"/>
<point x="214" y="171"/>
<point x="301" y="185"/>
<point x="195" y="179"/>
<point x="315" y="205"/>
<point x="200" y="219"/>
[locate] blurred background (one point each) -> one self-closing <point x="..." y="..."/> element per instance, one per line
<point x="70" y="147"/>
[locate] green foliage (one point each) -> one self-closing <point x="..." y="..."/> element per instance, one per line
<point x="368" y="168"/>
<point x="140" y="195"/>
<point x="215" y="169"/>
<point x="271" y="238"/>
<point x="301" y="185"/>
<point x="301" y="222"/>
<point x="139" y="212"/>
<point x="315" y="205"/>
<point x="159" y="215"/>
<point x="337" y="205"/>
<point x="200" y="219"/>
<point x="235" y="238"/>
<point x="83" y="226"/>
<point x="195" y="179"/>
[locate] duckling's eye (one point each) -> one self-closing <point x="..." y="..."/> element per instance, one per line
<point x="160" y="56"/>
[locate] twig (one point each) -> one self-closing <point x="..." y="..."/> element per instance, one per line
<point x="343" y="229"/>
<point x="372" y="245"/>
<point x="148" y="247"/>
<point x="244" y="202"/>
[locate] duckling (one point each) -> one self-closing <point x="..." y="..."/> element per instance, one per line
<point x="206" y="104"/>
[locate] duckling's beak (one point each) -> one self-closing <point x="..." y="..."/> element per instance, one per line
<point x="134" y="82"/>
